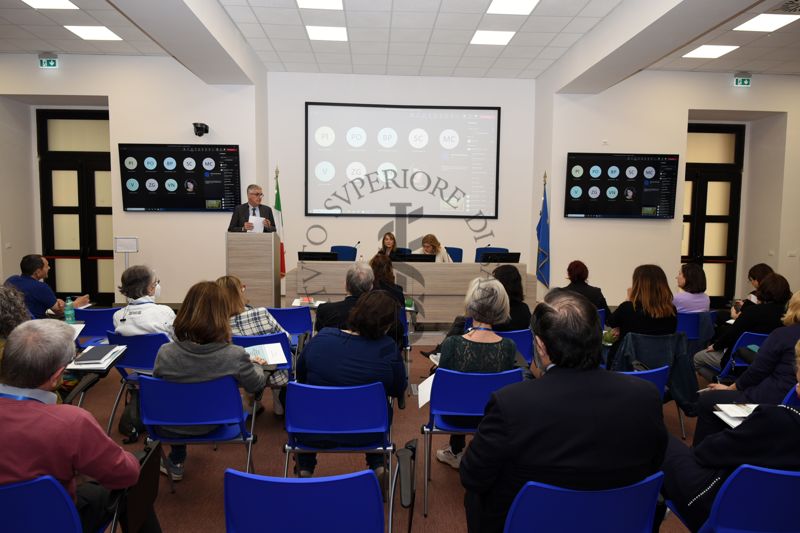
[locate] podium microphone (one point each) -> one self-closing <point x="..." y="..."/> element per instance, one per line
<point x="356" y="246"/>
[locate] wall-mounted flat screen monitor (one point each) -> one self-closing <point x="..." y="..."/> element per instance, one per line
<point x="179" y="177"/>
<point x="399" y="160"/>
<point x="620" y="185"/>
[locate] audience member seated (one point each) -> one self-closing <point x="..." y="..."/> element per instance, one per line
<point x="770" y="438"/>
<point x="577" y="274"/>
<point x="773" y="293"/>
<point x="12" y="313"/>
<point x="247" y="320"/>
<point x="142" y="315"/>
<point x="647" y="310"/>
<point x="692" y="297"/>
<point x="357" y="355"/>
<point x="755" y="276"/>
<point x="39" y="297"/>
<point x="577" y="426"/>
<point x="202" y="351"/>
<point x="764" y="382"/>
<point x="359" y="279"/>
<point x="41" y="438"/>
<point x="388" y="244"/>
<point x="520" y="313"/>
<point x="432" y="246"/>
<point x="478" y="350"/>
<point x="384" y="278"/>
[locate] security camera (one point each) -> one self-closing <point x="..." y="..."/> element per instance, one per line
<point x="200" y="129"/>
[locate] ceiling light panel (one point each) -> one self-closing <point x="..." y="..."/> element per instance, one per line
<point x="327" y="33"/>
<point x="710" y="51"/>
<point x="496" y="38"/>
<point x="512" y="7"/>
<point x="50" y="4"/>
<point x="320" y="4"/>
<point x="94" y="33"/>
<point x="766" y="22"/>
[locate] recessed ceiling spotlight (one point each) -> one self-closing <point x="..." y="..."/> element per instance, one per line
<point x="320" y="4"/>
<point x="94" y="33"/>
<point x="766" y="22"/>
<point x="327" y="33"/>
<point x="710" y="51"/>
<point x="50" y="4"/>
<point x="511" y="7"/>
<point x="497" y="38"/>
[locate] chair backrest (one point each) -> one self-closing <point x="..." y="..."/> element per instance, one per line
<point x="747" y="338"/>
<point x="402" y="251"/>
<point x="96" y="322"/>
<point x="464" y="393"/>
<point x="756" y="499"/>
<point x="142" y="350"/>
<point x="657" y="376"/>
<point x="38" y="505"/>
<point x="404" y="321"/>
<point x="487" y="250"/>
<point x="336" y="410"/>
<point x="166" y="403"/>
<point x="345" y="253"/>
<point x="523" y="338"/>
<point x="272" y="338"/>
<point x="791" y="398"/>
<point x="689" y="323"/>
<point x="602" y="314"/>
<point x="629" y="509"/>
<point x="344" y="503"/>
<point x="455" y="253"/>
<point x="295" y="320"/>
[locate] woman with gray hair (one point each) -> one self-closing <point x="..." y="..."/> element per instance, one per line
<point x="142" y="315"/>
<point x="479" y="350"/>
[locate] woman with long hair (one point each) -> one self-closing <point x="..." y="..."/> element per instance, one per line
<point x="692" y="282"/>
<point x="202" y="351"/>
<point x="388" y="244"/>
<point x="432" y="246"/>
<point x="384" y="278"/>
<point x="520" y="313"/>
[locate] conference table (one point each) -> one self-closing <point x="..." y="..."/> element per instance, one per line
<point x="438" y="289"/>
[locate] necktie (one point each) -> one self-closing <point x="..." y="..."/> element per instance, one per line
<point x="254" y="211"/>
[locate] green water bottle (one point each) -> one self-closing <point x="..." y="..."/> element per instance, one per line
<point x="69" y="311"/>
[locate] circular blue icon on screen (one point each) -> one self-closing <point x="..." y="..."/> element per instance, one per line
<point x="595" y="171"/>
<point x="171" y="185"/>
<point x="169" y="163"/>
<point x="576" y="192"/>
<point x="206" y="174"/>
<point x="612" y="193"/>
<point x="613" y="172"/>
<point x="150" y="163"/>
<point x="132" y="185"/>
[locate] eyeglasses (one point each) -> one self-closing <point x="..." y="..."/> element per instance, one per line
<point x="259" y="194"/>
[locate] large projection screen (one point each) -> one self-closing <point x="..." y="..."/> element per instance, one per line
<point x="391" y="160"/>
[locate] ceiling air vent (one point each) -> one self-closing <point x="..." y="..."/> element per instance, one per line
<point x="790" y="6"/>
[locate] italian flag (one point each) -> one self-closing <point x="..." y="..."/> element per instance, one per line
<point x="279" y="222"/>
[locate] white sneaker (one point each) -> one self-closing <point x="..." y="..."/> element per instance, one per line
<point x="446" y="456"/>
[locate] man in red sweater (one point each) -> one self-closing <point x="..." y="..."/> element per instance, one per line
<point x="41" y="438"/>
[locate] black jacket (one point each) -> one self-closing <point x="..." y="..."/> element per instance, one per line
<point x="594" y="294"/>
<point x="241" y="214"/>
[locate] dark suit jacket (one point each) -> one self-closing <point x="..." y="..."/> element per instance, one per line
<point x="241" y="214"/>
<point x="594" y="294"/>
<point x="578" y="429"/>
<point x="334" y="314"/>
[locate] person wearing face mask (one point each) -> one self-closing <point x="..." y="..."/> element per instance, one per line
<point x="142" y="314"/>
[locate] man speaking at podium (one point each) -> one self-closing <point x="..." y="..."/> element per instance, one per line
<point x="242" y="214"/>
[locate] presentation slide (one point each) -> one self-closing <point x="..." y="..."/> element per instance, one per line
<point x="179" y="177"/>
<point x="620" y="185"/>
<point x="384" y="160"/>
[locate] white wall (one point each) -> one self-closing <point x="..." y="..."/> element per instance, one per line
<point x="288" y="93"/>
<point x="17" y="203"/>
<point x="152" y="100"/>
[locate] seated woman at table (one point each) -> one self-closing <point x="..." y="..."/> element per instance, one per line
<point x="692" y="297"/>
<point x="520" y="313"/>
<point x="358" y="355"/>
<point x="247" y="320"/>
<point x="769" y="437"/>
<point x="766" y="381"/>
<point x="479" y="350"/>
<point x="388" y="244"/>
<point x="432" y="246"/>
<point x="384" y="278"/>
<point x="142" y="315"/>
<point x="202" y="351"/>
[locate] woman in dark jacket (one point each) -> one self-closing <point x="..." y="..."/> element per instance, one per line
<point x="511" y="279"/>
<point x="384" y="278"/>
<point x="578" y="273"/>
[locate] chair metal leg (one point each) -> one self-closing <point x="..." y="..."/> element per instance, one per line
<point x="427" y="471"/>
<point x="392" y="489"/>
<point x="114" y="408"/>
<point x="286" y="462"/>
<point x="250" y="469"/>
<point x="680" y="419"/>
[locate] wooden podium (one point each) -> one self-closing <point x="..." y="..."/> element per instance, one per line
<point x="254" y="258"/>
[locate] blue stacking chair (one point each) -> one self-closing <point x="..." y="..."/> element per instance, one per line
<point x="791" y="398"/>
<point x="754" y="500"/>
<point x="456" y="254"/>
<point x="335" y="504"/>
<point x="358" y="410"/>
<point x="213" y="403"/>
<point x="657" y="376"/>
<point x="140" y="357"/>
<point x="295" y="320"/>
<point x="602" y="314"/>
<point x="459" y="394"/>
<point x="402" y="251"/>
<point x="523" y="338"/>
<point x="487" y="250"/>
<point x="406" y="341"/>
<point x="547" y="509"/>
<point x="345" y="253"/>
<point x="96" y="322"/>
<point x="745" y="339"/>
<point x="272" y="338"/>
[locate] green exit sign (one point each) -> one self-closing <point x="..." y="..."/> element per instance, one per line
<point x="741" y="81"/>
<point x="51" y="62"/>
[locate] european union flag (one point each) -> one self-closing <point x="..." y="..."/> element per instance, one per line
<point x="543" y="235"/>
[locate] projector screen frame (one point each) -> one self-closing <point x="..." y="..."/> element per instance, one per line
<point x="414" y="213"/>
